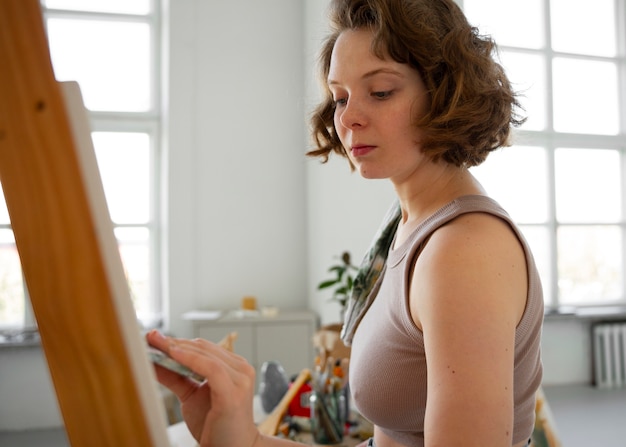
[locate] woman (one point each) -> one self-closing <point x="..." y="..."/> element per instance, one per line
<point x="412" y="95"/>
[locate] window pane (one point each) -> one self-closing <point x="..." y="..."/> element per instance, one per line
<point x="124" y="163"/>
<point x="508" y="21"/>
<point x="527" y="74"/>
<point x="598" y="198"/>
<point x="11" y="284"/>
<point x="590" y="264"/>
<point x="585" y="96"/>
<point x="4" y="212"/>
<point x="116" y="6"/>
<point x="110" y="60"/>
<point x="506" y="170"/>
<point x="134" y="246"/>
<point x="584" y="27"/>
<point x="539" y="240"/>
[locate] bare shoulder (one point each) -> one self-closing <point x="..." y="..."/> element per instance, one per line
<point x="474" y="260"/>
<point x="479" y="237"/>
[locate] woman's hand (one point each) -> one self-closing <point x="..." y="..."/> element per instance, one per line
<point x="218" y="411"/>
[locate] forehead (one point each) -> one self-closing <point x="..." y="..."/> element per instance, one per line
<point x="352" y="56"/>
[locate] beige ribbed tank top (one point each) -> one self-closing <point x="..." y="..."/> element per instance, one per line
<point x="388" y="364"/>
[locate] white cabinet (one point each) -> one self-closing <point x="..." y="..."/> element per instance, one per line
<point x="286" y="338"/>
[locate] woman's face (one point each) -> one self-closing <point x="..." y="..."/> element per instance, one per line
<point x="377" y="102"/>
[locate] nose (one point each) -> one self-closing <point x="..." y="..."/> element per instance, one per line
<point x="352" y="115"/>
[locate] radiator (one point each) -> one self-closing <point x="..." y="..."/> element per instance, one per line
<point x="609" y="347"/>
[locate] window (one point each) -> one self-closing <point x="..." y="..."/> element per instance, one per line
<point x="563" y="180"/>
<point x="112" y="48"/>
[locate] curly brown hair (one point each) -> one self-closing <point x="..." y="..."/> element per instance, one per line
<point x="472" y="104"/>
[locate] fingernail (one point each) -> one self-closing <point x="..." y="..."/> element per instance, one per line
<point x="157" y="334"/>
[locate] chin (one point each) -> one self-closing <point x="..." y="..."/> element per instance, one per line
<point x="370" y="174"/>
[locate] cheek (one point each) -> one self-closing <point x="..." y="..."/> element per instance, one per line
<point x="399" y="124"/>
<point x="341" y="132"/>
<point x="420" y="107"/>
<point x="337" y="123"/>
<point x="404" y="118"/>
<point x="404" y="133"/>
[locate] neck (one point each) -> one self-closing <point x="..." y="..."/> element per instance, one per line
<point x="427" y="191"/>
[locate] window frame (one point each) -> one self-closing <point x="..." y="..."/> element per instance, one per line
<point x="550" y="140"/>
<point x="149" y="122"/>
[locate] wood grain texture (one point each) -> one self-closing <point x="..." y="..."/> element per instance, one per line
<point x="104" y="384"/>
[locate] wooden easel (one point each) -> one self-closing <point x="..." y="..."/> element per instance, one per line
<point x="103" y="380"/>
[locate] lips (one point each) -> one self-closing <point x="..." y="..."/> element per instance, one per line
<point x="361" y="149"/>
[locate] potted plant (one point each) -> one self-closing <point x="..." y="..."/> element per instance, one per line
<point x="342" y="281"/>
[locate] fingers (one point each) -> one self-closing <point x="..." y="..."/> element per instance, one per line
<point x="200" y="346"/>
<point x="180" y="385"/>
<point x="221" y="367"/>
<point x="203" y="350"/>
<point x="217" y="411"/>
<point x="158" y="340"/>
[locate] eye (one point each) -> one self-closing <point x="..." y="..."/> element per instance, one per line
<point x="340" y="102"/>
<point x="382" y="95"/>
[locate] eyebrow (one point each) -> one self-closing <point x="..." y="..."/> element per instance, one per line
<point x="371" y="74"/>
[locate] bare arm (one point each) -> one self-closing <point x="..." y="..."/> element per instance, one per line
<point x="468" y="294"/>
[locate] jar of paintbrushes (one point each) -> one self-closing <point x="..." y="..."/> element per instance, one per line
<point x="329" y="401"/>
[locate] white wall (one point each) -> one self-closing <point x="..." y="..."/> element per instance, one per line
<point x="247" y="212"/>
<point x="235" y="169"/>
<point x="566" y="350"/>
<point x="27" y="399"/>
